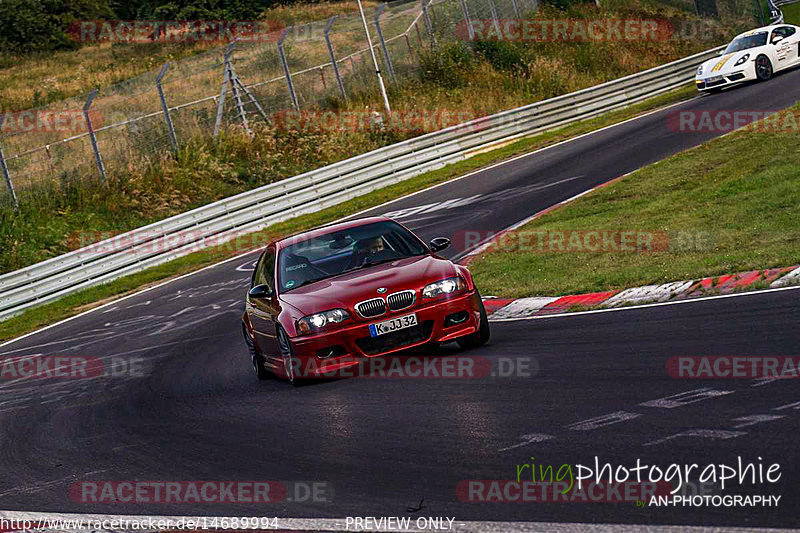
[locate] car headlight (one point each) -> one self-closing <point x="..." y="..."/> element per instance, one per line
<point x="318" y="321"/>
<point x="700" y="70"/>
<point x="445" y="286"/>
<point x="742" y="60"/>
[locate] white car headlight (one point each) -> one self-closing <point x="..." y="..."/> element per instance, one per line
<point x="320" y="320"/>
<point x="445" y="286"/>
<point x="742" y="60"/>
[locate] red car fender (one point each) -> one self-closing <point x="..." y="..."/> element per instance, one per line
<point x="467" y="275"/>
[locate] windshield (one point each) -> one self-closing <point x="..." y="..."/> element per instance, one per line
<point x="746" y="42"/>
<point x="332" y="254"/>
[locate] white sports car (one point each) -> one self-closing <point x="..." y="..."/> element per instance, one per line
<point x="754" y="55"/>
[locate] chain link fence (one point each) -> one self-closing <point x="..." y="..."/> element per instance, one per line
<point x="312" y="66"/>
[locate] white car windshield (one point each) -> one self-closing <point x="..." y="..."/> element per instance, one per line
<point x="746" y="42"/>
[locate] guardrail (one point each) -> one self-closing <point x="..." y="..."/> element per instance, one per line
<point x="316" y="190"/>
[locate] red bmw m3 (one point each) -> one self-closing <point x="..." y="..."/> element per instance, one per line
<point x="335" y="296"/>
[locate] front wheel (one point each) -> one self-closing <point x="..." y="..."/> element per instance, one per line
<point x="289" y="360"/>
<point x="256" y="359"/>
<point x="480" y="337"/>
<point x="763" y="68"/>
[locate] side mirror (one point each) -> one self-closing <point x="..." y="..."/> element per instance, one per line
<point x="440" y="243"/>
<point x="260" y="292"/>
<point x="720" y="52"/>
<point x="776" y="39"/>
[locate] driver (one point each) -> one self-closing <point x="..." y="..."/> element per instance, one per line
<point x="366" y="248"/>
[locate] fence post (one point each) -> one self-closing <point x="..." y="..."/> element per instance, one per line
<point x="428" y="25"/>
<point x="286" y="72"/>
<point x="760" y="10"/>
<point x="389" y="67"/>
<point x="224" y="90"/>
<point x="495" y="20"/>
<point x="333" y="56"/>
<point x="165" y="108"/>
<point x="237" y="94"/>
<point x="470" y="29"/>
<point x="6" y="175"/>
<point x="92" y="137"/>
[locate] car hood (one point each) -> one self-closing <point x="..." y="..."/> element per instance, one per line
<point x="346" y="290"/>
<point x="724" y="64"/>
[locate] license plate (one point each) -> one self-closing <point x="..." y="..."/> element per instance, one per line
<point x="387" y="326"/>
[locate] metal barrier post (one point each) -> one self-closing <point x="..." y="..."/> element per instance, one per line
<point x="224" y="90"/>
<point x="378" y="13"/>
<point x="333" y="56"/>
<point x="286" y="72"/>
<point x="470" y="29"/>
<point x="165" y="108"/>
<point x="6" y="175"/>
<point x="428" y="25"/>
<point x="495" y="20"/>
<point x="92" y="137"/>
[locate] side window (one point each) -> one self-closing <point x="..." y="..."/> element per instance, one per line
<point x="269" y="268"/>
<point x="788" y="30"/>
<point x="257" y="270"/>
<point x="264" y="273"/>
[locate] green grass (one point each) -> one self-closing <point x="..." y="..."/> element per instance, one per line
<point x="791" y="13"/>
<point x="726" y="206"/>
<point x="83" y="300"/>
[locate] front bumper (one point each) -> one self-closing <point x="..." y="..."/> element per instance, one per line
<point x="324" y="354"/>
<point x="746" y="73"/>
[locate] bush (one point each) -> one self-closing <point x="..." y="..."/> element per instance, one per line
<point x="41" y="25"/>
<point x="449" y="67"/>
<point x="504" y="56"/>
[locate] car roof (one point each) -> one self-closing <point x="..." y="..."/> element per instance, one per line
<point x="324" y="230"/>
<point x="762" y="28"/>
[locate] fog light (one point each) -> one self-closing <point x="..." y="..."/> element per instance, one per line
<point x="456" y="318"/>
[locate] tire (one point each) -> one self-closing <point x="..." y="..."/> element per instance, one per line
<point x="256" y="359"/>
<point x="763" y="68"/>
<point x="480" y="337"/>
<point x="287" y="354"/>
